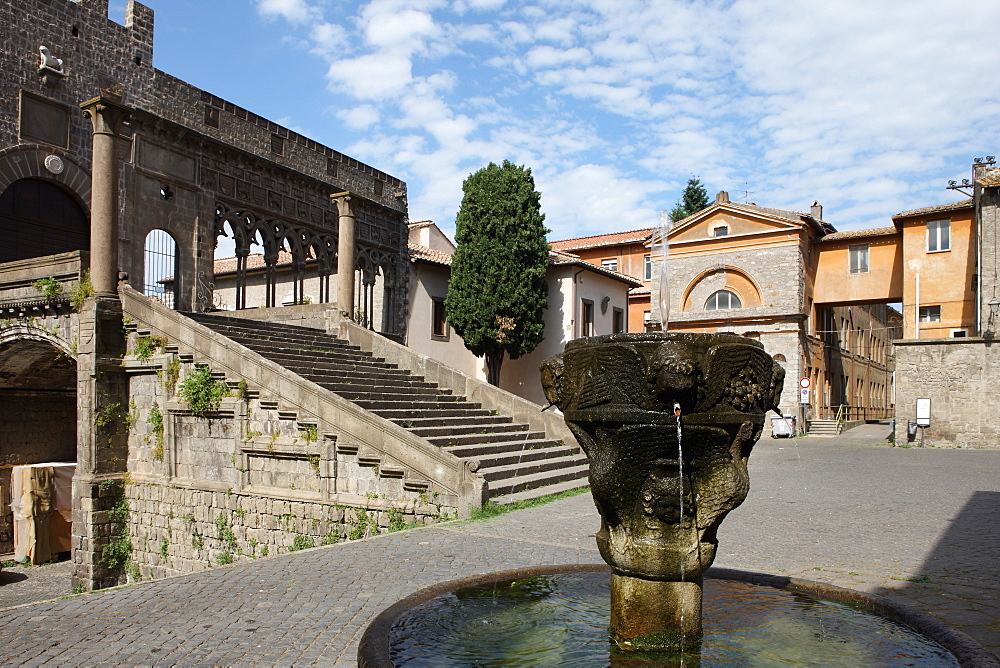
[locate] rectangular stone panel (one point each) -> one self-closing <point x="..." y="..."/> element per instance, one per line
<point x="166" y="161"/>
<point x="44" y="120"/>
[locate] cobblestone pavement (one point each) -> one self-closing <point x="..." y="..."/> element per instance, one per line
<point x="916" y="525"/>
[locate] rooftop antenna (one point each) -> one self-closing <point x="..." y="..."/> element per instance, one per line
<point x="747" y="192"/>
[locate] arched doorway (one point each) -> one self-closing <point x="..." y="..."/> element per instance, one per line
<point x="38" y="411"/>
<point x="39" y="218"/>
<point x="161" y="279"/>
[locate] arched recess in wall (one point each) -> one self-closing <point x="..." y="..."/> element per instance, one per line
<point x="711" y="281"/>
<point x="38" y="411"/>
<point x="161" y="278"/>
<point x="46" y="204"/>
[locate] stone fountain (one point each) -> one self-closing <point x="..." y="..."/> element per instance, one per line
<point x="668" y="422"/>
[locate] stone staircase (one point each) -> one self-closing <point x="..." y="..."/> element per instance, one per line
<point x="824" y="428"/>
<point x="516" y="462"/>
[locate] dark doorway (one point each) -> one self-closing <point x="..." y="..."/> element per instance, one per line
<point x="38" y="218"/>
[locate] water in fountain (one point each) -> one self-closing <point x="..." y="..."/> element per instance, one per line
<point x="664" y="275"/>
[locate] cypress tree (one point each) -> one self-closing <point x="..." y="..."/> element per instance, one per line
<point x="497" y="292"/>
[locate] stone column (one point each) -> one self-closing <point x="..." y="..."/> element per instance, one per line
<point x="346" y="249"/>
<point x="106" y="114"/>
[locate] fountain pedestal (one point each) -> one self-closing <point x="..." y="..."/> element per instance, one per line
<point x="668" y="422"/>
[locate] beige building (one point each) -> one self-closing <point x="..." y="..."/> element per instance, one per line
<point x="584" y="300"/>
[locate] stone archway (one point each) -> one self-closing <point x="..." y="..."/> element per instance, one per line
<point x="38" y="407"/>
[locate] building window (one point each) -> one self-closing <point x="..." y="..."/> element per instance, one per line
<point x="439" y="320"/>
<point x="720" y="231"/>
<point x="930" y="314"/>
<point x="721" y="300"/>
<point x="610" y="263"/>
<point x="938" y="235"/>
<point x="859" y="259"/>
<point x="619" y="321"/>
<point x="647" y="267"/>
<point x="587" y="324"/>
<point x="959" y="333"/>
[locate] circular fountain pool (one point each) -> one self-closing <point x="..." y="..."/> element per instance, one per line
<point x="560" y="616"/>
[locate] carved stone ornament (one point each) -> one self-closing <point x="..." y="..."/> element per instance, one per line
<point x="667" y="421"/>
<point x="50" y="68"/>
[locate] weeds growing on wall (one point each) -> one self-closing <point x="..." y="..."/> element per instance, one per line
<point x="301" y="542"/>
<point x="145" y="346"/>
<point x="201" y="391"/>
<point x="156" y="420"/>
<point x="112" y="417"/>
<point x="116" y="555"/>
<point x="50" y="288"/>
<point x="80" y="291"/>
<point x="170" y="374"/>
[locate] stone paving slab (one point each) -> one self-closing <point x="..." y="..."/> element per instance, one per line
<point x="917" y="525"/>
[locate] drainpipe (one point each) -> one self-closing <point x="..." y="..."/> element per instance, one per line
<point x="916" y="309"/>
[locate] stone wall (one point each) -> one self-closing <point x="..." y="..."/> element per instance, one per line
<point x="960" y="377"/>
<point x="245" y="480"/>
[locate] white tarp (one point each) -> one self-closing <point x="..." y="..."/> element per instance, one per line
<point x="42" y="503"/>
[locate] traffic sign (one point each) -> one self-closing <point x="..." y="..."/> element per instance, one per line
<point x="804" y="383"/>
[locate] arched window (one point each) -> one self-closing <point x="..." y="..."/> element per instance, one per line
<point x="161" y="280"/>
<point x="721" y="300"/>
<point x="40" y="218"/>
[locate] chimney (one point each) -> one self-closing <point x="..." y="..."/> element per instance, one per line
<point x="722" y="197"/>
<point x="816" y="211"/>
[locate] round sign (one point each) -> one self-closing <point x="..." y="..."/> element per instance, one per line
<point x="804" y="383"/>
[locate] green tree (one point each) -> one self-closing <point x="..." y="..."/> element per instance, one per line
<point x="694" y="199"/>
<point x="497" y="292"/>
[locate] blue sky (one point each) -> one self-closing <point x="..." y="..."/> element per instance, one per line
<point x="868" y="107"/>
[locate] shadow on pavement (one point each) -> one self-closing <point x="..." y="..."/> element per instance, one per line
<point x="960" y="577"/>
<point x="7" y="577"/>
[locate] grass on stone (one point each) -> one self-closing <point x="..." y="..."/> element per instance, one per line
<point x="490" y="509"/>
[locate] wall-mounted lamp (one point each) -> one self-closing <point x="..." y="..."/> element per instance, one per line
<point x="165" y="192"/>
<point x="994" y="305"/>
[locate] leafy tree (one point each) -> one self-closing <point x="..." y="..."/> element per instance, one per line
<point x="694" y="199"/>
<point x="497" y="292"/>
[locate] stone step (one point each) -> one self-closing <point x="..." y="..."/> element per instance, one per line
<point x="514" y="459"/>
<point x="536" y="492"/>
<point x="517" y="457"/>
<point x="486" y="450"/>
<point x="470" y="428"/>
<point x="380" y="405"/>
<point x="509" y="486"/>
<point x="524" y="469"/>
<point x="454" y="421"/>
<point x="514" y="439"/>
<point x="402" y="413"/>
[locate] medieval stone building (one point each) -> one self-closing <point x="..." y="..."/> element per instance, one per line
<point x="115" y="175"/>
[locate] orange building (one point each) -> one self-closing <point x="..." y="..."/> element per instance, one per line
<point x="625" y="252"/>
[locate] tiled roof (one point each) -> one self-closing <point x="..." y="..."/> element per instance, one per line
<point x="990" y="178"/>
<point x="964" y="204"/>
<point x="556" y="259"/>
<point x="420" y="223"/>
<point x="857" y="234"/>
<point x="598" y="240"/>
<point x="639" y="291"/>
<point x="426" y="254"/>
<point x="254" y="261"/>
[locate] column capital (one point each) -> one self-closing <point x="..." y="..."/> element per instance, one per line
<point x="343" y="202"/>
<point x="106" y="114"/>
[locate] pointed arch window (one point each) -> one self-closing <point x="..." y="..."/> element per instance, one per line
<point x="722" y="300"/>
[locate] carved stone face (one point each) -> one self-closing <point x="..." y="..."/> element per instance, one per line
<point x="662" y="494"/>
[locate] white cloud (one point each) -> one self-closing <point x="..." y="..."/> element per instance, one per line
<point x="296" y="11"/>
<point x="866" y="106"/>
<point x="360" y="117"/>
